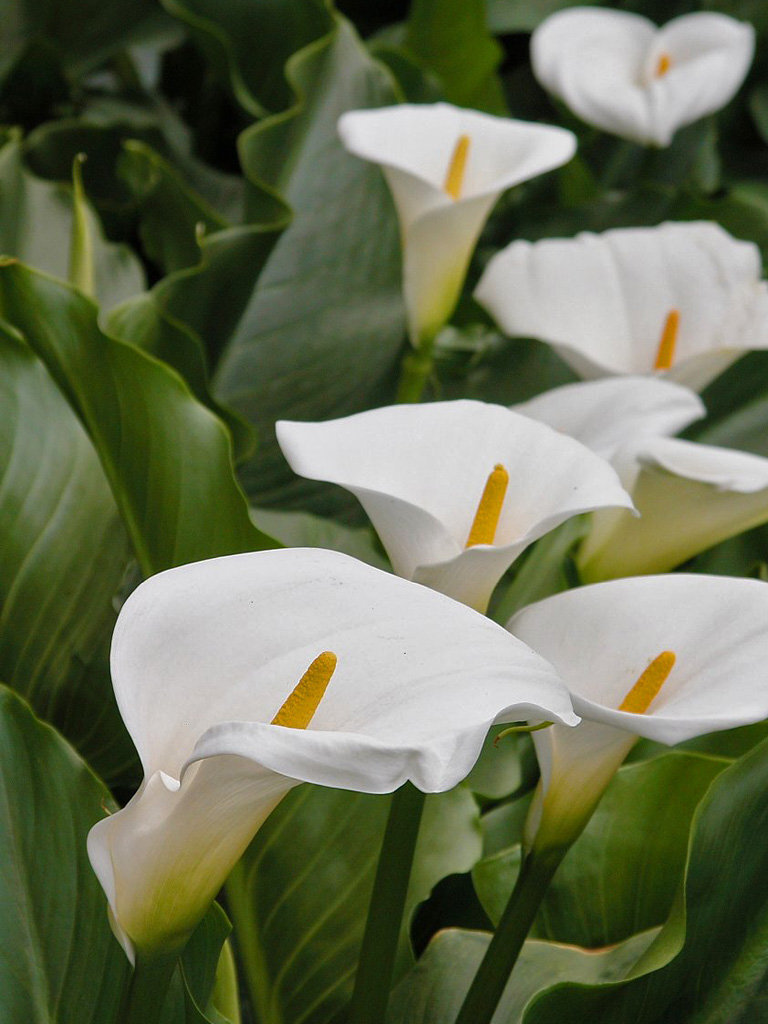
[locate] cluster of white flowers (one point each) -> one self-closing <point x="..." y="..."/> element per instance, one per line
<point x="240" y="677"/>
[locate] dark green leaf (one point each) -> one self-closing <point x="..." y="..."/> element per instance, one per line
<point x="64" y="552"/>
<point x="299" y="897"/>
<point x="167" y="458"/>
<point x="323" y="331"/>
<point x="59" y="963"/>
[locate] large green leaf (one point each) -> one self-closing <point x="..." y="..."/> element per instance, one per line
<point x="64" y="552"/>
<point x="167" y="458"/>
<point x="433" y="991"/>
<point x="323" y="330"/>
<point x="710" y="961"/>
<point x="621" y="874"/>
<point x="451" y="39"/>
<point x="250" y="41"/>
<point x="59" y="963"/>
<point x="299" y="897"/>
<point x="84" y="33"/>
<point x="36" y="226"/>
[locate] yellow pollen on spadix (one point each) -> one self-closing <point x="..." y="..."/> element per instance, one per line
<point x="483" y="530"/>
<point x="665" y="353"/>
<point x="298" y="710"/>
<point x="663" y="65"/>
<point x="454" y="179"/>
<point x="647" y="687"/>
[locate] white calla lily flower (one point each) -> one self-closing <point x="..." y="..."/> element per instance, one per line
<point x="456" y="490"/>
<point x="690" y="496"/>
<point x="664" y="657"/>
<point x="605" y="414"/>
<point x="242" y="676"/>
<point x="685" y="300"/>
<point x="446" y="167"/>
<point x="619" y="72"/>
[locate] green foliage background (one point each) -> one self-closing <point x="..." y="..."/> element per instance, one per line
<point x="226" y="263"/>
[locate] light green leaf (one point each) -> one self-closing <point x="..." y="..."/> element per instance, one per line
<point x="167" y="458"/>
<point x="434" y="990"/>
<point x="299" y="897"/>
<point x="621" y="874"/>
<point x="322" y="333"/>
<point x="710" y="961"/>
<point x="64" y="552"/>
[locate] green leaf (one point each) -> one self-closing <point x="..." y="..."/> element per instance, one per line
<point x="304" y="530"/>
<point x="64" y="551"/>
<point x="299" y="897"/>
<point x="167" y="458"/>
<point x="621" y="874"/>
<point x="450" y="38"/>
<point x="508" y="16"/>
<point x="710" y="961"/>
<point x="434" y="990"/>
<point x="59" y="963"/>
<point x="36" y="226"/>
<point x="323" y="331"/>
<point x="84" y="33"/>
<point x="172" y="215"/>
<point x="250" y="41"/>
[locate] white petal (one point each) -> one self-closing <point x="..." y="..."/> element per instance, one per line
<point x="602" y="300"/>
<point x="690" y="496"/>
<point x="593" y="60"/>
<point x="228" y="639"/>
<point x="419" y="471"/>
<point x="203" y="657"/>
<point x="710" y="55"/>
<point x="602" y="637"/>
<point x="604" y="66"/>
<point x="606" y="414"/>
<point x="165" y="855"/>
<point x="414" y="144"/>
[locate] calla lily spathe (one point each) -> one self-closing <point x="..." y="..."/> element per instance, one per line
<point x="619" y="72"/>
<point x="606" y="414"/>
<point x="707" y="638"/>
<point x="419" y="471"/>
<point x="689" y="496"/>
<point x="203" y="657"/>
<point x="685" y="300"/>
<point x="444" y="188"/>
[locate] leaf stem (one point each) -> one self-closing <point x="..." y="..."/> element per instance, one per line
<point x="385" y="913"/>
<point x="501" y="956"/>
<point x="147" y="988"/>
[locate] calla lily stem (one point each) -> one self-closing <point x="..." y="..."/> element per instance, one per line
<point x="385" y="914"/>
<point x="489" y="983"/>
<point x="417" y="368"/>
<point x="146" y="989"/>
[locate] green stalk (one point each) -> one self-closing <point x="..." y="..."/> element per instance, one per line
<point x="415" y="373"/>
<point x="501" y="956"/>
<point x="385" y="913"/>
<point x="147" y="988"/>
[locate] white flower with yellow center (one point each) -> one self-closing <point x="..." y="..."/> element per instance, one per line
<point x="619" y="72"/>
<point x="684" y="300"/>
<point x="455" y="490"/>
<point x="446" y="167"/>
<point x="242" y="676"/>
<point x="690" y="496"/>
<point x="664" y="657"/>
